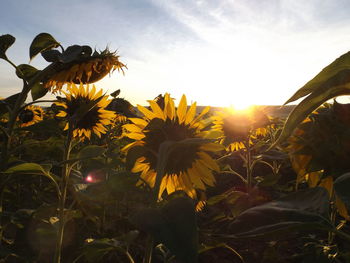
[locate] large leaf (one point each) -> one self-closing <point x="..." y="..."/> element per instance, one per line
<point x="303" y="208"/>
<point x="25" y="71"/>
<point x="174" y="225"/>
<point x="91" y="151"/>
<point x="329" y="72"/>
<point x="341" y="187"/>
<point x="38" y="91"/>
<point x="45" y="128"/>
<point x="9" y="102"/>
<point x="311" y="103"/>
<point x="42" y="42"/>
<point x="32" y="168"/>
<point x="5" y="42"/>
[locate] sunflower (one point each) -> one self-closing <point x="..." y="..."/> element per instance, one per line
<point x="319" y="148"/>
<point x="96" y="118"/>
<point x="237" y="127"/>
<point x="77" y="65"/>
<point x="30" y="115"/>
<point x="190" y="166"/>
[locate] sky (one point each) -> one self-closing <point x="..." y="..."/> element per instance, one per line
<point x="217" y="52"/>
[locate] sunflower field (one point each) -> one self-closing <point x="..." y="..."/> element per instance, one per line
<point x="89" y="177"/>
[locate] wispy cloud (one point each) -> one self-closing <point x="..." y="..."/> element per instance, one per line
<point x="217" y="52"/>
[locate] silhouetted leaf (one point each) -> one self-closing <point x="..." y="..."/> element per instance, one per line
<point x="306" y="207"/>
<point x="115" y="93"/>
<point x="31" y="168"/>
<point x="174" y="225"/>
<point x="9" y="102"/>
<point x="51" y="55"/>
<point x="5" y="42"/>
<point x="308" y="105"/>
<point x="25" y="71"/>
<point x="38" y="91"/>
<point x="42" y="42"/>
<point x="341" y="187"/>
<point x="329" y="72"/>
<point x="75" y="52"/>
<point x="91" y="151"/>
<point x="46" y="127"/>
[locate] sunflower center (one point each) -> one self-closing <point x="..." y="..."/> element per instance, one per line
<point x="26" y="116"/>
<point x="90" y="119"/>
<point x="236" y="127"/>
<point x="159" y="131"/>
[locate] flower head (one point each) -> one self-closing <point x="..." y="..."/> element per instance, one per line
<point x="77" y="65"/>
<point x="30" y="115"/>
<point x="189" y="166"/>
<point x="94" y="119"/>
<point x="239" y="127"/>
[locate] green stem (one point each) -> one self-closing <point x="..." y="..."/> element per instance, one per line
<point x="248" y="166"/>
<point x="62" y="200"/>
<point x="27" y="86"/>
<point x="149" y="249"/>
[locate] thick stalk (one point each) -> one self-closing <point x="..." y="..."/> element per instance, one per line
<point x="62" y="200"/>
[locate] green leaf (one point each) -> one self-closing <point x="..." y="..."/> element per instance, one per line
<point x="42" y="42"/>
<point x="38" y="91"/>
<point x="45" y="128"/>
<point x="329" y="72"/>
<point x="26" y="168"/>
<point x="98" y="248"/>
<point x="6" y="41"/>
<point x="309" y="104"/>
<point x="91" y="151"/>
<point x="25" y="71"/>
<point x="308" y="207"/>
<point x="51" y="55"/>
<point x="32" y="168"/>
<point x="341" y="187"/>
<point x="174" y="225"/>
<point x="75" y="52"/>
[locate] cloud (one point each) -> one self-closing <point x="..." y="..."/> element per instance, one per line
<point x="217" y="52"/>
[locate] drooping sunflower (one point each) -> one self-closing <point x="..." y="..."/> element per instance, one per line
<point x="319" y="148"/>
<point x="95" y="119"/>
<point x="236" y="128"/>
<point x="190" y="166"/>
<point x="77" y="64"/>
<point x="30" y="115"/>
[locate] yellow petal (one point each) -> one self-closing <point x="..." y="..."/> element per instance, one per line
<point x="139" y="122"/>
<point x="212" y="147"/>
<point x="162" y="187"/>
<point x="156" y="109"/>
<point x="195" y="178"/>
<point x="206" y="175"/>
<point x="191" y="113"/>
<point x="204" y="111"/>
<point x="169" y="106"/>
<point x="208" y="161"/>
<point x="181" y="109"/>
<point x="132" y="128"/>
<point x="170" y="186"/>
<point x="146" y="112"/>
<point x="135" y="136"/>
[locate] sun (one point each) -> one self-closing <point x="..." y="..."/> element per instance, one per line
<point x="240" y="106"/>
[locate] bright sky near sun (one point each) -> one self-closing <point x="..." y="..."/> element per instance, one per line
<point x="219" y="53"/>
